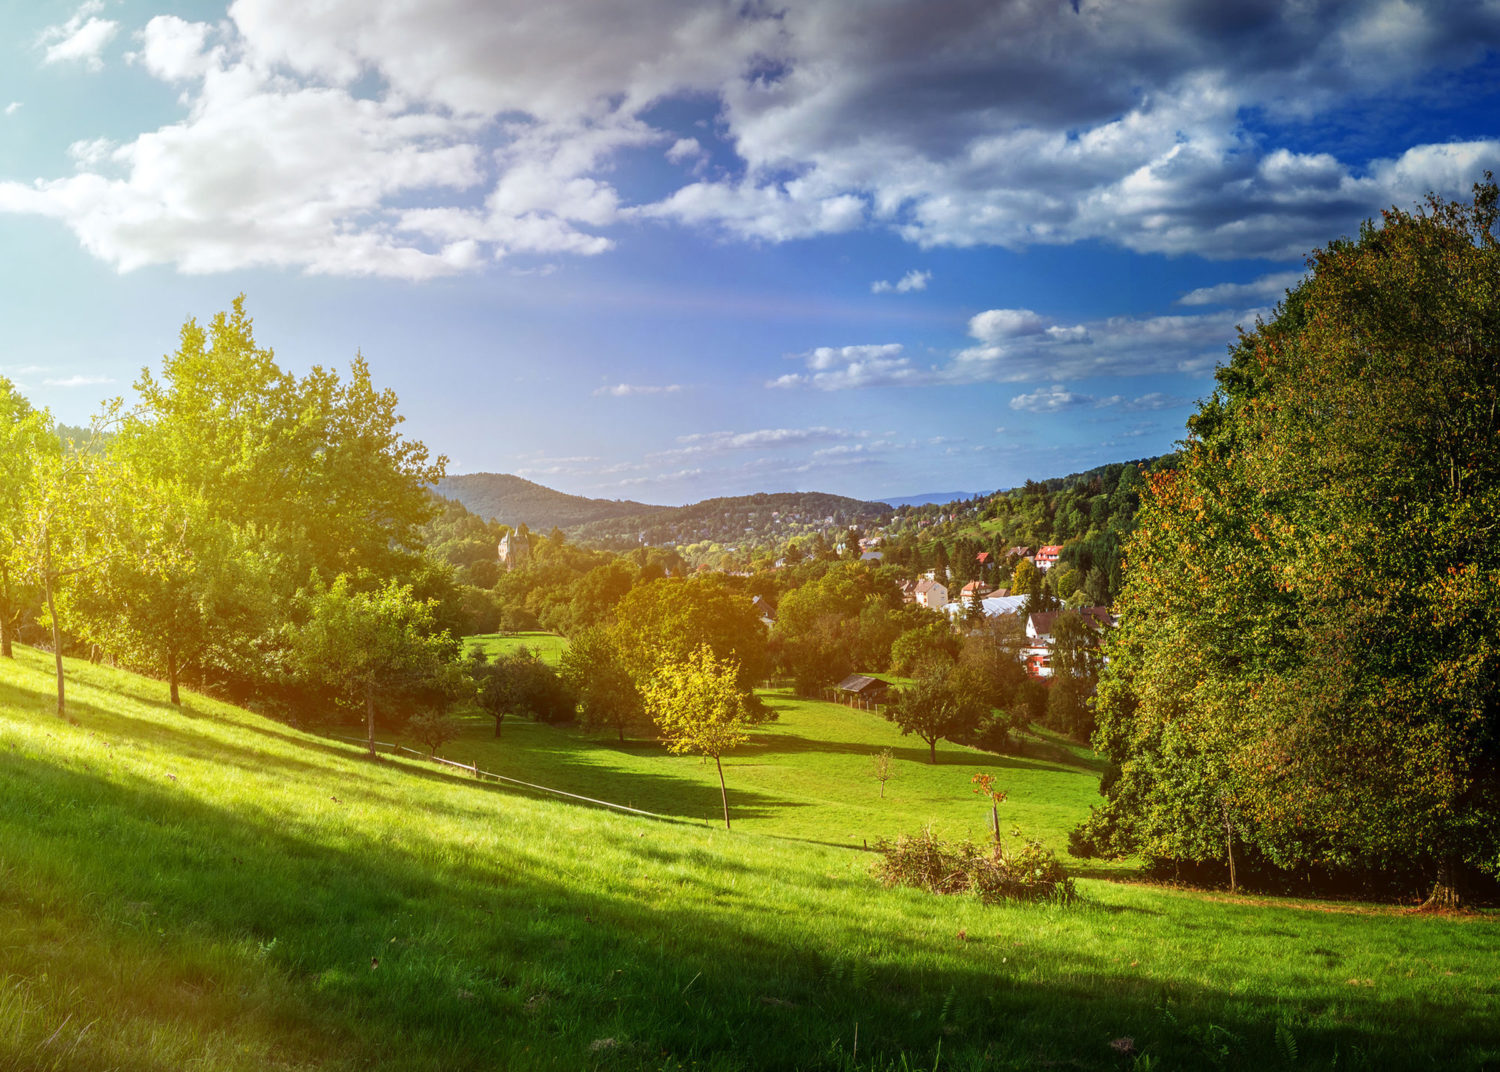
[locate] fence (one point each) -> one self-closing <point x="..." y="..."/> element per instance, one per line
<point x="473" y="768"/>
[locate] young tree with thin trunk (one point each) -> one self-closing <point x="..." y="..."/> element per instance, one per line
<point x="880" y="764"/>
<point x="700" y="707"/>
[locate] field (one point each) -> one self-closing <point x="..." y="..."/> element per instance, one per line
<point x="548" y="646"/>
<point x="206" y="889"/>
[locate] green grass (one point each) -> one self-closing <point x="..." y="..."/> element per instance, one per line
<point x="206" y="889"/>
<point x="805" y="776"/>
<point x="548" y="646"/>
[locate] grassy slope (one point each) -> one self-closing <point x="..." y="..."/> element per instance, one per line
<point x="205" y="889"/>
<point x="548" y="646"/>
<point x="806" y="776"/>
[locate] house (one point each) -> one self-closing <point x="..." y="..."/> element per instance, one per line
<point x="973" y="592"/>
<point x="930" y="594"/>
<point x="908" y="591"/>
<point x="1018" y="552"/>
<point x="983" y="558"/>
<point x="861" y="690"/>
<point x="764" y="611"/>
<point x="1038" y="650"/>
<point x="1046" y="557"/>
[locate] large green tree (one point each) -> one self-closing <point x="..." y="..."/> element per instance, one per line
<point x="1309" y="658"/>
<point x="378" y="652"/>
<point x="26" y="438"/>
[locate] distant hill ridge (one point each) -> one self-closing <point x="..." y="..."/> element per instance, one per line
<point x="513" y="501"/>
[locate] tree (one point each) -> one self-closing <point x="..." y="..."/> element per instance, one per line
<point x="373" y="649"/>
<point x="942" y="703"/>
<point x="666" y="620"/>
<point x="519" y="682"/>
<point x="1310" y="644"/>
<point x="880" y="764"/>
<point x="1075" y="662"/>
<point x="607" y="696"/>
<point x="26" y="437"/>
<point x="700" y="707"/>
<point x="434" y="729"/>
<point x="934" y="641"/>
<point x="65" y="516"/>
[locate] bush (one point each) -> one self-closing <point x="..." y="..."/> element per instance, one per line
<point x="1032" y="873"/>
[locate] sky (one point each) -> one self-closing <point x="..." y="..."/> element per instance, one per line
<point x="670" y="249"/>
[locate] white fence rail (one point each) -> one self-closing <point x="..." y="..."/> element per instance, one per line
<point x="473" y="768"/>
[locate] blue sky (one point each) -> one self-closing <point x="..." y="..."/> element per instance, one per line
<point x="683" y="249"/>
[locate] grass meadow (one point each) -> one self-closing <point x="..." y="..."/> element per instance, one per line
<point x="206" y="889"/>
<point x="548" y="646"/>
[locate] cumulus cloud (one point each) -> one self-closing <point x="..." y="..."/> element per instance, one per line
<point x="1050" y="400"/>
<point x="81" y="39"/>
<point x="912" y="280"/>
<point x="458" y="133"/>
<point x="1266" y="288"/>
<point x="13" y="107"/>
<point x="626" y="390"/>
<point x="1020" y="345"/>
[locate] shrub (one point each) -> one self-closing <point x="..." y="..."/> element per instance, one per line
<point x="1031" y="873"/>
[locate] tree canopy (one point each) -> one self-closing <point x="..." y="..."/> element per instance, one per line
<point x="1309" y="657"/>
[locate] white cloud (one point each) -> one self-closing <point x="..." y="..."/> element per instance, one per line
<point x="173" y="49"/>
<point x="685" y="150"/>
<point x="1049" y="400"/>
<point x="81" y="39"/>
<point x="494" y="128"/>
<point x="626" y="390"/>
<point x="833" y="368"/>
<point x="1266" y="288"/>
<point x="759" y="439"/>
<point x="78" y="381"/>
<point x="912" y="280"/>
<point x="13" y="107"/>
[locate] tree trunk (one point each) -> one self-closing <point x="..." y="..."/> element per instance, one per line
<point x="723" y="793"/>
<point x="932" y="749"/>
<point x="172" y="678"/>
<point x="56" y="640"/>
<point x="620" y="726"/>
<point x="1448" y="890"/>
<point x="498" y="719"/>
<point x="5" y="612"/>
<point x="370" y="718"/>
<point x="1229" y="846"/>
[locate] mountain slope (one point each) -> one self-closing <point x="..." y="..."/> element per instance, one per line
<point x="513" y="501"/>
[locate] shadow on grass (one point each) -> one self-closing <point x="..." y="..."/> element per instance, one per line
<point x="528" y="960"/>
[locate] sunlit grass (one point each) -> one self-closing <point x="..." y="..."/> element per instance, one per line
<point x="205" y="889"/>
<point x="547" y="646"/>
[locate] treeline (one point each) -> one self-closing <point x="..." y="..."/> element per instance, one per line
<point x="735" y="530"/>
<point x="1306" y="681"/>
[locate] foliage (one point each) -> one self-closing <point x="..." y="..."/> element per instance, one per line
<point x="434" y="729"/>
<point x="699" y="706"/>
<point x="929" y="643"/>
<point x="943" y="702"/>
<point x="1309" y="660"/>
<point x="26" y="437"/>
<point x="664" y="622"/>
<point x="607" y="695"/>
<point x="922" y="860"/>
<point x="880" y="768"/>
<point x="519" y="682"/>
<point x="373" y="650"/>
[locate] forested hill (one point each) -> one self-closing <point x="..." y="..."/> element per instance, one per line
<point x="762" y="520"/>
<point x="514" y="501"/>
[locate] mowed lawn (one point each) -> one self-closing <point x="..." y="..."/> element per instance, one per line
<point x="548" y="646"/>
<point x="808" y="775"/>
<point x="203" y="888"/>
